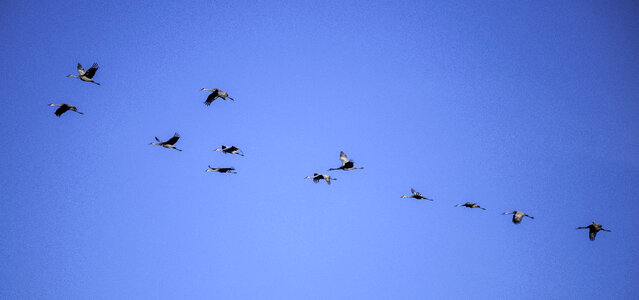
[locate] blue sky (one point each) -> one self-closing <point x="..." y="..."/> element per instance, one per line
<point x="529" y="106"/>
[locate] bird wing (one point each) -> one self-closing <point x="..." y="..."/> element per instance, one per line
<point x="63" y="108"/>
<point x="233" y="148"/>
<point x="211" y="98"/>
<point x="92" y="70"/>
<point x="81" y="69"/>
<point x="159" y="141"/>
<point x="174" y="139"/>
<point x="517" y="217"/>
<point x="343" y="157"/>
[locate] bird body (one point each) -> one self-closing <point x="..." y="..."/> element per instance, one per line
<point x="86" y="75"/>
<point x="517" y="216"/>
<point x="215" y="93"/>
<point x="416" y="195"/>
<point x="593" y="229"/>
<point x="168" y="144"/>
<point x="470" y="205"/>
<point x="64" y="108"/>
<point x="231" y="150"/>
<point x="317" y="177"/>
<point x="347" y="164"/>
<point x="220" y="170"/>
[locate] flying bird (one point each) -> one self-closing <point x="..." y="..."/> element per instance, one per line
<point x="220" y="170"/>
<point x="168" y="144"/>
<point x="470" y="205"/>
<point x="64" y="108"/>
<point x="593" y="229"/>
<point x="347" y="164"/>
<point x="231" y="150"/>
<point x="86" y="75"/>
<point x="416" y="195"/>
<point x="317" y="177"/>
<point x="215" y="93"/>
<point x="517" y="216"/>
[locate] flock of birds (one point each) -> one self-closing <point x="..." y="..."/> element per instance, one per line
<point x="347" y="164"/>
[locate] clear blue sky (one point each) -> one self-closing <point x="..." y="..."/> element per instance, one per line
<point x="529" y="105"/>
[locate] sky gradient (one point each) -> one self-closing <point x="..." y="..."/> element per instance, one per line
<point x="526" y="106"/>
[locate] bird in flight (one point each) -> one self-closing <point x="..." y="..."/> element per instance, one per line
<point x="517" y="216"/>
<point x="416" y="195"/>
<point x="168" y="144"/>
<point x="231" y="150"/>
<point x="593" y="229"/>
<point x="215" y="93"/>
<point x="86" y="75"/>
<point x="220" y="170"/>
<point x="317" y="177"/>
<point x="470" y="205"/>
<point x="347" y="164"/>
<point x="64" y="108"/>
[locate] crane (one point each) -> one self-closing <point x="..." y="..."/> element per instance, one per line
<point x="64" y="108"/>
<point x="168" y="144"/>
<point x="470" y="205"/>
<point x="593" y="229"/>
<point x="231" y="150"/>
<point x="347" y="164"/>
<point x="517" y="216"/>
<point x="215" y="93"/>
<point x="86" y="75"/>
<point x="416" y="195"/>
<point x="220" y="170"/>
<point x="317" y="177"/>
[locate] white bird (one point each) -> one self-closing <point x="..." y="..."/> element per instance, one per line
<point x="231" y="150"/>
<point x="215" y="93"/>
<point x="517" y="216"/>
<point x="88" y="75"/>
<point x="416" y="195"/>
<point x="168" y="144"/>
<point x="64" y="108"/>
<point x="347" y="164"/>
<point x="317" y="177"/>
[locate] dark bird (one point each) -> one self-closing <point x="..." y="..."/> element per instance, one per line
<point x="88" y="75"/>
<point x="517" y="216"/>
<point x="593" y="228"/>
<point x="416" y="195"/>
<point x="168" y="144"/>
<point x="347" y="164"/>
<point x="231" y="150"/>
<point x="317" y="177"/>
<point x="63" y="108"/>
<point x="470" y="205"/>
<point x="216" y="93"/>
<point x="220" y="170"/>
